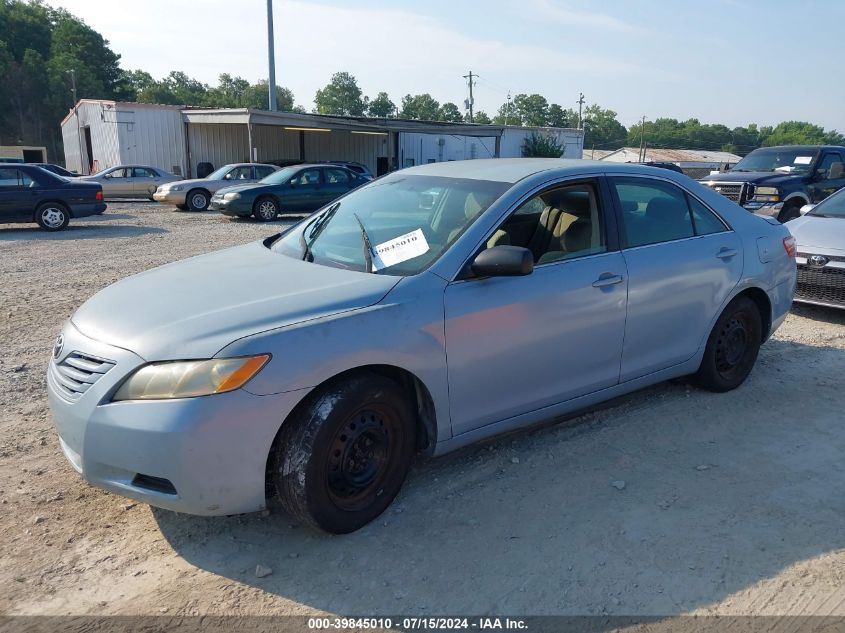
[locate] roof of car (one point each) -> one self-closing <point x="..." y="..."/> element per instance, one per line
<point x="803" y="147"/>
<point x="515" y="169"/>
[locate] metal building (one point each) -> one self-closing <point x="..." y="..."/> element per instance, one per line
<point x="101" y="134"/>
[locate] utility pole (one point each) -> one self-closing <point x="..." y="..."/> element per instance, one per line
<point x="508" y="111"/>
<point x="642" y="141"/>
<point x="72" y="73"/>
<point x="471" y="101"/>
<point x="271" y="56"/>
<point x="580" y="103"/>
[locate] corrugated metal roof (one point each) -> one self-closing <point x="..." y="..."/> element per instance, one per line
<point x="632" y="154"/>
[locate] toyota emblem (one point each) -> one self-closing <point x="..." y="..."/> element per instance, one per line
<point x="58" y="346"/>
<point x="817" y="260"/>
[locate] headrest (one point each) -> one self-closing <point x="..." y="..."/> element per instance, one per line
<point x="475" y="204"/>
<point x="578" y="236"/>
<point x="662" y="209"/>
<point x="836" y="171"/>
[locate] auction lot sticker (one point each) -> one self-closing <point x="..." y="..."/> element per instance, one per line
<point x="400" y="249"/>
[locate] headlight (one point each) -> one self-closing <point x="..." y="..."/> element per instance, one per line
<point x="187" y="379"/>
<point x="231" y="196"/>
<point x="766" y="194"/>
<point x="176" y="188"/>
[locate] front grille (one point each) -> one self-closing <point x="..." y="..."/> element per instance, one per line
<point x="830" y="258"/>
<point x="732" y="191"/>
<point x="821" y="285"/>
<point x="77" y="372"/>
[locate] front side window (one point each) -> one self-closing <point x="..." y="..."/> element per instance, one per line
<point x="240" y="173"/>
<point x="409" y="221"/>
<point x="557" y="224"/>
<point x="121" y="172"/>
<point x="306" y="177"/>
<point x="831" y="167"/>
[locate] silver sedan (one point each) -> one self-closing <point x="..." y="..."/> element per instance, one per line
<point x="131" y="181"/>
<point x="820" y="234"/>
<point x="195" y="194"/>
<point x="424" y="311"/>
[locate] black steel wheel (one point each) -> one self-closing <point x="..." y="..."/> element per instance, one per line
<point x="732" y="346"/>
<point x="342" y="456"/>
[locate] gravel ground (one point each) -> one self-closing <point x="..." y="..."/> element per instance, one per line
<point x="669" y="501"/>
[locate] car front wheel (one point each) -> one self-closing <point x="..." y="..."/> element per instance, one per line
<point x="265" y="210"/>
<point x="197" y="200"/>
<point x="732" y="347"/>
<point x="342" y="457"/>
<point x="52" y="216"/>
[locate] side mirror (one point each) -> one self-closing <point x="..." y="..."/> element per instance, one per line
<point x="503" y="261"/>
<point x="806" y="209"/>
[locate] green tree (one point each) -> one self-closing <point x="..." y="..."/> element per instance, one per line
<point x="382" y="106"/>
<point x="423" y="107"/>
<point x="533" y="110"/>
<point x="479" y="117"/>
<point x="450" y="112"/>
<point x="341" y="96"/>
<point x="602" y="129"/>
<point x="556" y="116"/>
<point x="257" y="97"/>
<point x="800" y="133"/>
<point x="229" y="91"/>
<point x="541" y="146"/>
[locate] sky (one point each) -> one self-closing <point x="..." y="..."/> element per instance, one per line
<point x="721" y="61"/>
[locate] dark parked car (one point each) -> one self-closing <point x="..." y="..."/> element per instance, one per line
<point x="299" y="189"/>
<point x="778" y="181"/>
<point x="31" y="194"/>
<point x="358" y="168"/>
<point x="56" y="169"/>
<point x="664" y="165"/>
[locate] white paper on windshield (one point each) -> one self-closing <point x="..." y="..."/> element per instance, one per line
<point x="399" y="249"/>
<point x="803" y="160"/>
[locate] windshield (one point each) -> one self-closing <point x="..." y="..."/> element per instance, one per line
<point x="790" y="161"/>
<point x="832" y="207"/>
<point x="279" y="177"/>
<point x="408" y="220"/>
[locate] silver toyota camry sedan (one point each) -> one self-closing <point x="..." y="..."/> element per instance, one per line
<point x="429" y="309"/>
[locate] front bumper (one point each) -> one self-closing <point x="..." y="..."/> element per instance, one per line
<point x="237" y="207"/>
<point x="169" y="197"/>
<point x="767" y="210"/>
<point x="211" y="450"/>
<point x="823" y="284"/>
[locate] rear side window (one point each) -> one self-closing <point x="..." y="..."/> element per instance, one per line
<point x="9" y="178"/>
<point x="655" y="211"/>
<point x="336" y="176"/>
<point x="263" y="172"/>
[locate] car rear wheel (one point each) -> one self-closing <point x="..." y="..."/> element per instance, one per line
<point x="52" y="216"/>
<point x="182" y="207"/>
<point x="265" y="209"/>
<point x="732" y="347"/>
<point x="790" y="211"/>
<point x="197" y="200"/>
<point x="342" y="457"/>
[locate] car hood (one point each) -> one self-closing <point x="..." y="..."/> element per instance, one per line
<point x="769" y="178"/>
<point x="195" y="307"/>
<point x="813" y="231"/>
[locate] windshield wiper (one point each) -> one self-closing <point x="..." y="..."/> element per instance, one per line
<point x="368" y="247"/>
<point x="319" y="224"/>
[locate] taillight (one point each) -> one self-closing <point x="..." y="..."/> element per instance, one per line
<point x="99" y="196"/>
<point x="789" y="246"/>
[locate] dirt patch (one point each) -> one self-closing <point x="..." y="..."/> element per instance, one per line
<point x="671" y="501"/>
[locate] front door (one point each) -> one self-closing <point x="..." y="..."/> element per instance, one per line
<point x="683" y="262"/>
<point x="828" y="178"/>
<point x="118" y="183"/>
<point x="305" y="192"/>
<point x="518" y="344"/>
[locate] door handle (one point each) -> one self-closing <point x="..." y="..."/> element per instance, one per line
<point x="607" y="279"/>
<point x="726" y="253"/>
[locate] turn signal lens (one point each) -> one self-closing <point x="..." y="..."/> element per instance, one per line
<point x="99" y="196"/>
<point x="188" y="379"/>
<point x="789" y="246"/>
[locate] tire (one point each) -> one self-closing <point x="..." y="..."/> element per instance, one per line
<point x="197" y="200"/>
<point x="52" y="216"/>
<point x="732" y="347"/>
<point x="342" y="457"/>
<point x="182" y="207"/>
<point x="265" y="209"/>
<point x="790" y="211"/>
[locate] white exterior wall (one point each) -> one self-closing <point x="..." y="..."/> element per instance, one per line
<point x="104" y="142"/>
<point x="513" y="138"/>
<point x="149" y="135"/>
<point x="439" y="148"/>
<point x="124" y="133"/>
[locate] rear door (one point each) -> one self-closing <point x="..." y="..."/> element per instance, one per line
<point x="305" y="191"/>
<point x="16" y="201"/>
<point x="146" y="181"/>
<point x="683" y="262"/>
